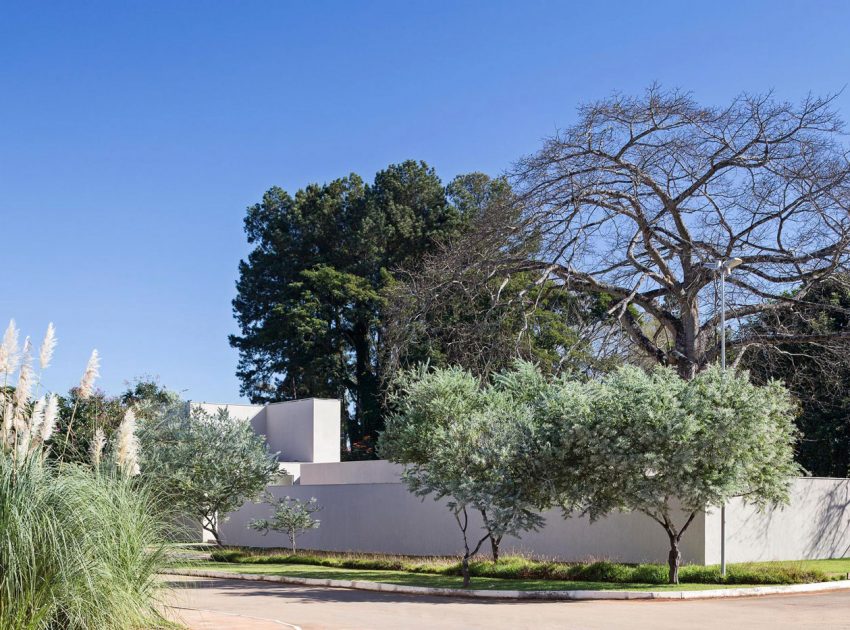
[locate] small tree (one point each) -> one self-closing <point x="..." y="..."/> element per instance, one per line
<point x="291" y="516"/>
<point x="456" y="439"/>
<point x="207" y="464"/>
<point x="657" y="439"/>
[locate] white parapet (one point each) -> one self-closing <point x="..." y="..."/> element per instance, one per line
<point x="372" y="471"/>
<point x="306" y="430"/>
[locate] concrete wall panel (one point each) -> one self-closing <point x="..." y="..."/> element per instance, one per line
<point x="375" y="471"/>
<point x="816" y="524"/>
<point x="386" y="518"/>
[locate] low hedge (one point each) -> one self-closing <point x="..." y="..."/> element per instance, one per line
<point x="519" y="568"/>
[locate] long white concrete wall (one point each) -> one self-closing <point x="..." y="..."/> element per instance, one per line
<point x="382" y="516"/>
<point x="366" y="508"/>
<point x="816" y="524"/>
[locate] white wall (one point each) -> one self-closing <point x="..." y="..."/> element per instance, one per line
<point x="816" y="524"/>
<point x="305" y="430"/>
<point x="382" y="516"/>
<point x="366" y="508"/>
<point x="386" y="518"/>
<point x="374" y="471"/>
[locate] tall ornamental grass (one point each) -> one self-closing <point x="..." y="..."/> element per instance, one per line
<point x="80" y="545"/>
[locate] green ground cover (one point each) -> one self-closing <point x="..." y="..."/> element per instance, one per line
<point x="407" y="578"/>
<point x="515" y="572"/>
<point x="834" y="567"/>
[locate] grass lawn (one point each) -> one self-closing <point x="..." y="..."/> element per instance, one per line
<point x="523" y="572"/>
<point x="437" y="581"/>
<point x="835" y="567"/>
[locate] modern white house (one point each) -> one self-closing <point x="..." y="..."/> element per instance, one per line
<point x="366" y="508"/>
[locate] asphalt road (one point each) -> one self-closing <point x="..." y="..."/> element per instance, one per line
<point x="258" y="605"/>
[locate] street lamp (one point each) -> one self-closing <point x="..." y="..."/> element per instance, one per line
<point x="724" y="267"/>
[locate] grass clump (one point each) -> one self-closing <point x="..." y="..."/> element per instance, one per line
<point x="80" y="545"/>
<point x="523" y="568"/>
<point x="79" y="550"/>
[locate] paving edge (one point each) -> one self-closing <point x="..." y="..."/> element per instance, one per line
<point x="743" y="591"/>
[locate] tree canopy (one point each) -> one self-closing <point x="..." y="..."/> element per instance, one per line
<point x="651" y="442"/>
<point x="818" y="375"/>
<point x="449" y="311"/>
<point x="309" y="295"/>
<point x="207" y="465"/>
<point x="663" y="446"/>
<point x="327" y="303"/>
<point x="459" y="442"/>
<point x="642" y="193"/>
<point x="101" y="412"/>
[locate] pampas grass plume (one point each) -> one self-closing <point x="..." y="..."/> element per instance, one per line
<point x="8" y="417"/>
<point x="45" y="355"/>
<point x="127" y="446"/>
<point x="37" y="416"/>
<point x="91" y="373"/>
<point x="97" y="445"/>
<point x="9" y="349"/>
<point x="51" y="412"/>
<point x="25" y="377"/>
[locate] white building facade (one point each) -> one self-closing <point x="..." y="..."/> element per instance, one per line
<point x="366" y="508"/>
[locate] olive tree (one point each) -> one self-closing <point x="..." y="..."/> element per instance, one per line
<point x="208" y="465"/>
<point x="457" y="439"/>
<point x="291" y="516"/>
<point x="658" y="443"/>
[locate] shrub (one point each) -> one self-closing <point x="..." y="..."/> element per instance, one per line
<point x="229" y="555"/>
<point x="290" y="516"/>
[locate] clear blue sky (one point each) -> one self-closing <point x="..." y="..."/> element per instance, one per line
<point x="133" y="135"/>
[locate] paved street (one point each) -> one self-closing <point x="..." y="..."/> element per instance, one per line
<point x="311" y="608"/>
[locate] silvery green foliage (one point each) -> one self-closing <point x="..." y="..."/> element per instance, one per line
<point x="291" y="516"/>
<point x="635" y="441"/>
<point x="658" y="442"/>
<point x="465" y="442"/>
<point x="207" y="464"/>
<point x="702" y="441"/>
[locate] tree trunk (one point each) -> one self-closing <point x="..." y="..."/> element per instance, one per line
<point x="211" y="527"/>
<point x="467" y="552"/>
<point x="367" y="407"/>
<point x="494" y="546"/>
<point x="215" y="537"/>
<point x="690" y="357"/>
<point x="292" y="541"/>
<point x="674" y="559"/>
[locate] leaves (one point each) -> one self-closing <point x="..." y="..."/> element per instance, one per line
<point x="633" y="441"/>
<point x="309" y="301"/>
<point x="461" y="442"/>
<point x="207" y="464"/>
<point x="290" y="515"/>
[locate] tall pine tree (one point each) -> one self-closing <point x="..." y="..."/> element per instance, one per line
<point x="309" y="296"/>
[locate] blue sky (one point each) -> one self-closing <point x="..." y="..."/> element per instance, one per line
<point x="133" y="135"/>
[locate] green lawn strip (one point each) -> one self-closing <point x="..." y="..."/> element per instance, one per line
<point x="405" y="578"/>
<point x="833" y="567"/>
<point x="523" y="569"/>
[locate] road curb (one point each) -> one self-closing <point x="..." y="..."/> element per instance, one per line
<point x="743" y="591"/>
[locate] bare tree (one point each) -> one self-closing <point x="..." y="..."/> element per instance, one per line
<point x="641" y="194"/>
<point x="452" y="310"/>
